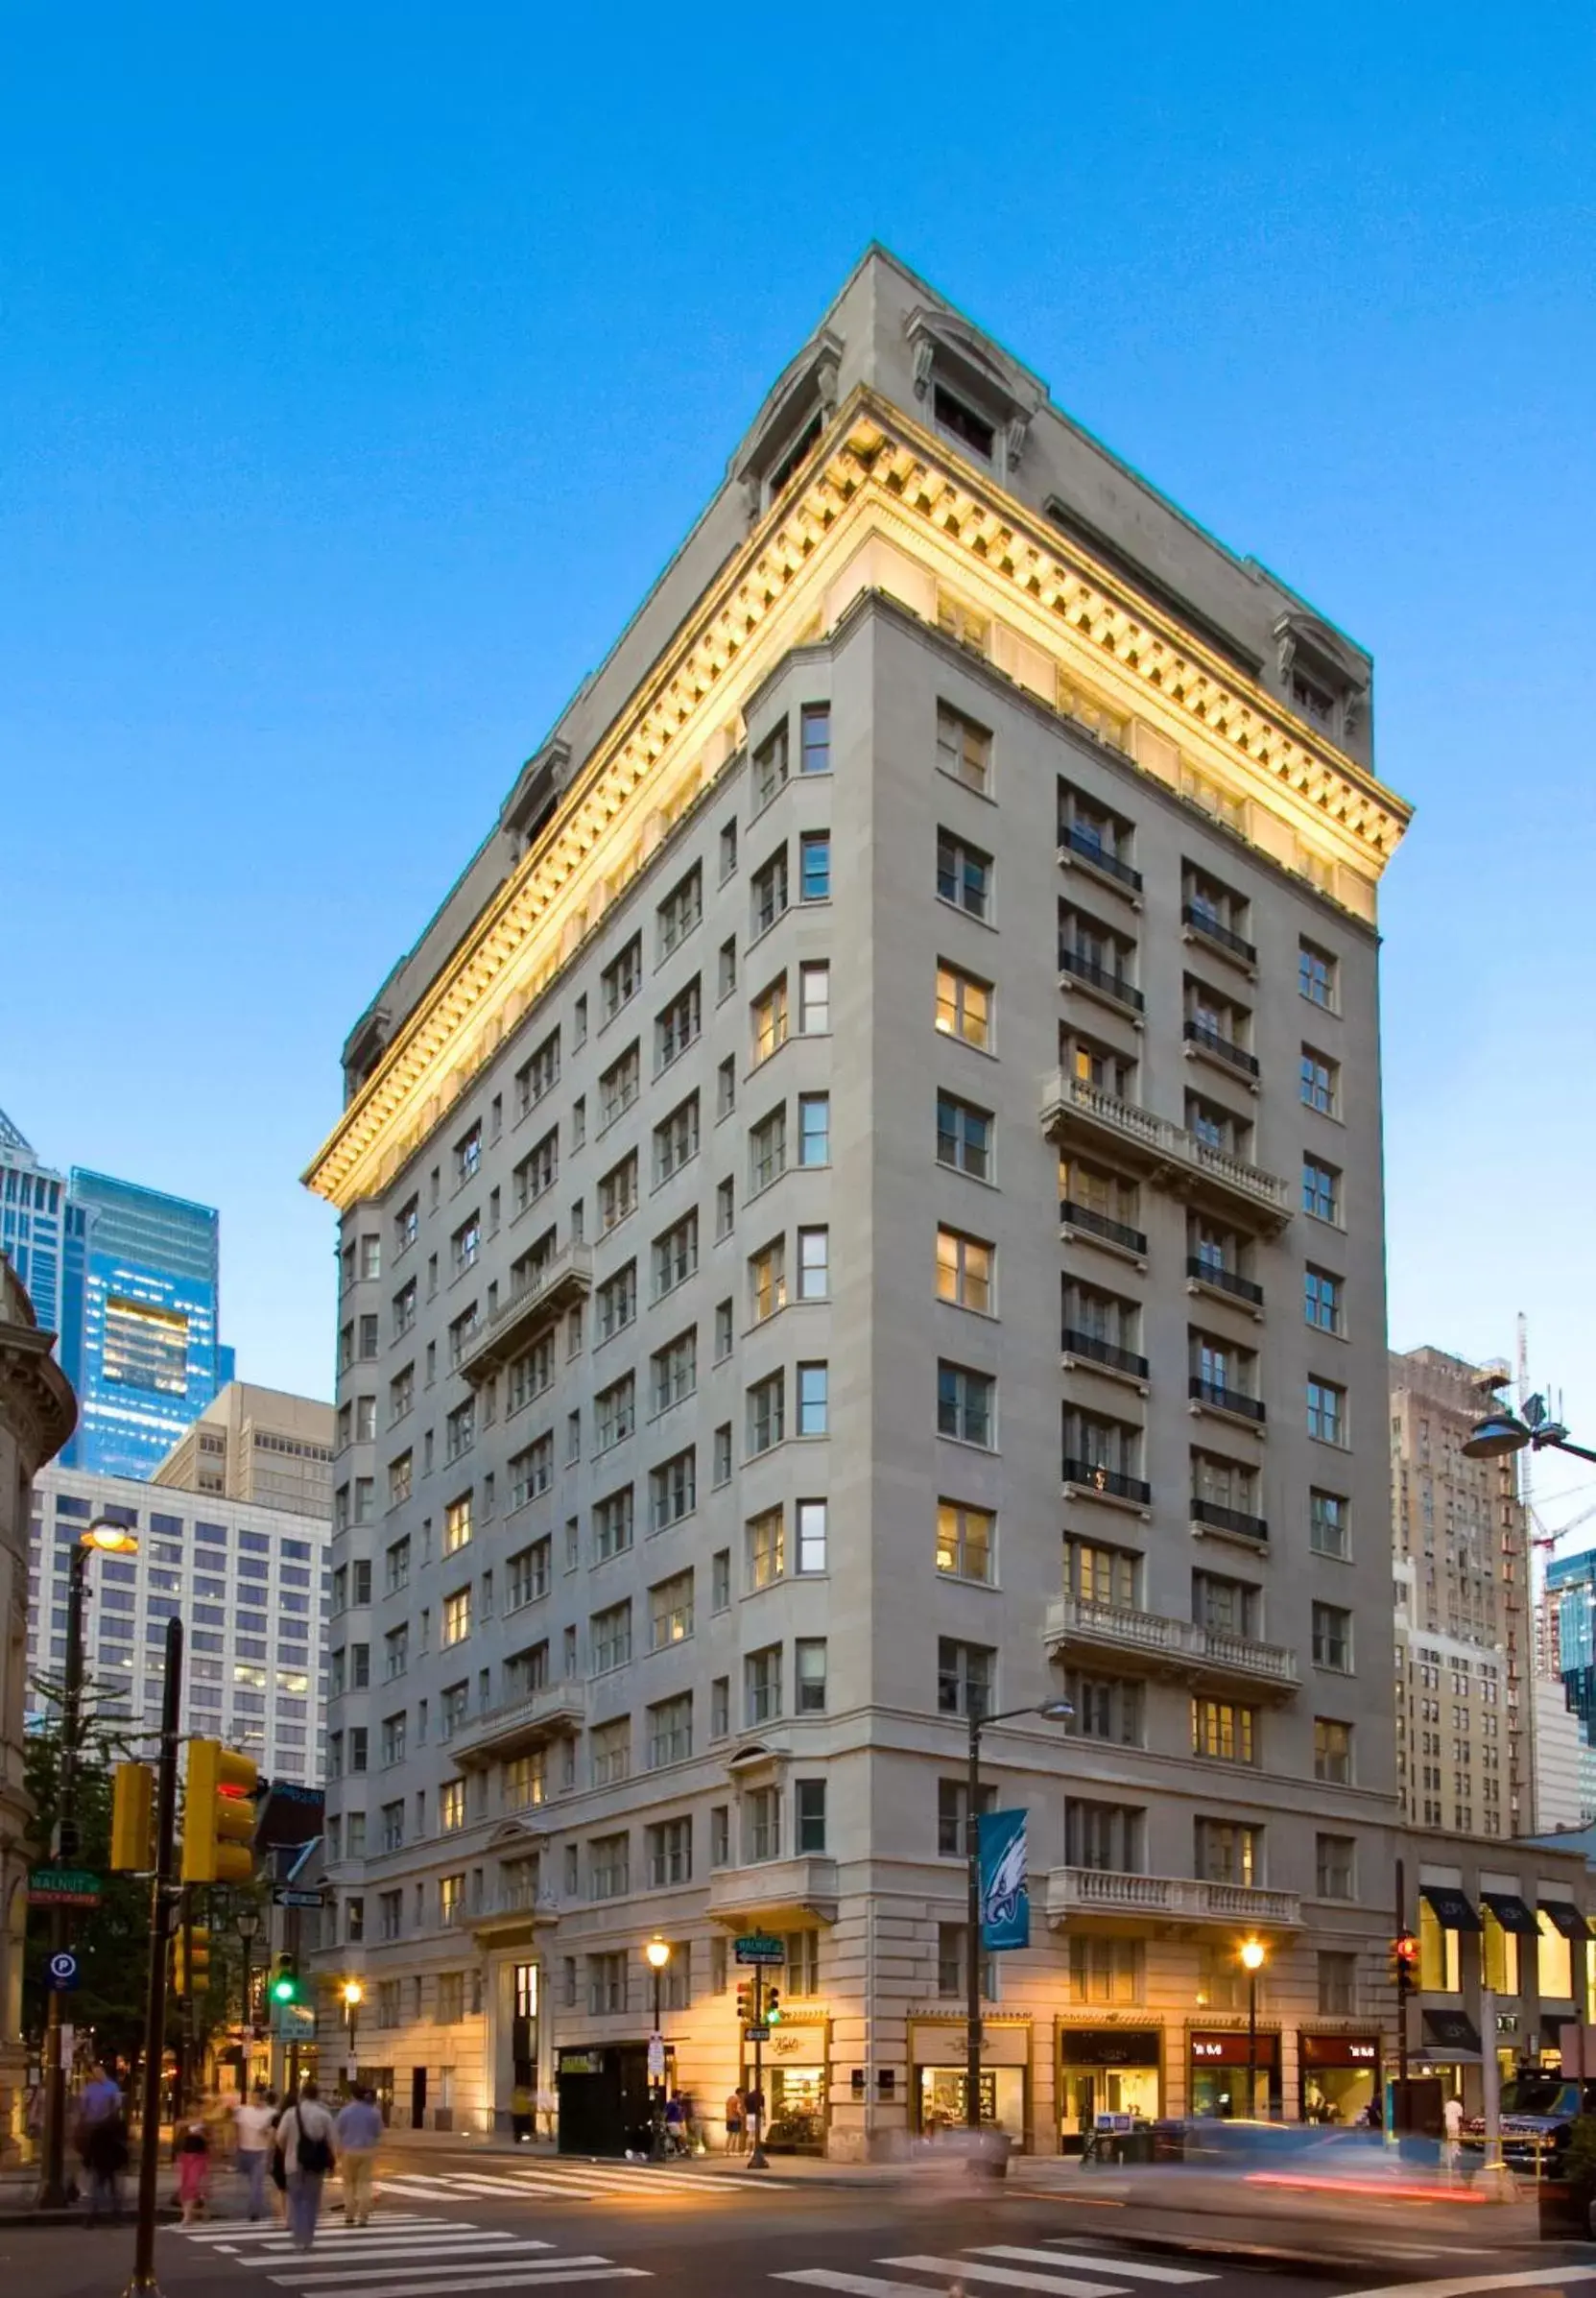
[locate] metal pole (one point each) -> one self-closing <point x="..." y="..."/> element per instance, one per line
<point x="1251" y="2043"/>
<point x="1402" y="1987"/>
<point x="155" y="2015"/>
<point x="758" y="2160"/>
<point x="51" y="2192"/>
<point x="185" y="2055"/>
<point x="973" y="1930"/>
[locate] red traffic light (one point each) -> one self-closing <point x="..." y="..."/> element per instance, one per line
<point x="1405" y="1949"/>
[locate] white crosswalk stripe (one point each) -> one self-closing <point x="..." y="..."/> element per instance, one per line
<point x="1132" y="2268"/>
<point x="1010" y="2278"/>
<point x="1015" y="2273"/>
<point x="399" y="2255"/>
<point x="571" y="2180"/>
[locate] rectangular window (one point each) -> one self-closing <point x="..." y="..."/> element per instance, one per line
<point x="457" y="1524"/>
<point x="766" y="1413"/>
<point x="966" y="1541"/>
<point x="1229" y="1851"/>
<point x="809" y="1675"/>
<point x="767" y="1548"/>
<point x="966" y="1675"/>
<point x="814" y="866"/>
<point x="725" y="1207"/>
<point x="770" y="1019"/>
<point x="612" y="1524"/>
<point x="1334" y="1872"/>
<point x="681" y="910"/>
<point x="607" y="1878"/>
<point x="670" y="1731"/>
<point x="952" y="1966"/>
<point x="1332" y="1637"/>
<point x="768" y="1149"/>
<point x="762" y="1685"/>
<point x="457" y="1616"/>
<point x="963" y="1006"/>
<point x="677" y="1025"/>
<point x="668" y="1848"/>
<point x="1328" y="1533"/>
<point x="528" y="1573"/>
<point x="814" y="1129"/>
<point x="809" y="1814"/>
<point x="967" y="1403"/>
<point x="1321" y="1190"/>
<point x="620" y="1085"/>
<point x="770" y="765"/>
<point x="1223" y="1731"/>
<point x="674" y="1371"/>
<point x="1332" y="1752"/>
<point x="1327" y="1412"/>
<point x="531" y="1471"/>
<point x="676" y="1139"/>
<point x="814" y="1000"/>
<point x="767" y="893"/>
<point x="617" y="1301"/>
<point x="762" y="1824"/>
<point x="614" y="1413"/>
<point x="719" y="1707"/>
<point x="1315" y="976"/>
<point x="1106" y="1708"/>
<point x="671" y="1610"/>
<point x="539" y="1075"/>
<point x="964" y="748"/>
<point x="810" y="1518"/>
<point x="813" y="1264"/>
<point x="720" y="1580"/>
<point x="618" y="1193"/>
<point x="465" y="1244"/>
<point x="1106" y="1837"/>
<point x="622" y="978"/>
<point x="722" y="1468"/>
<point x="609" y="1634"/>
<point x="963" y="1137"/>
<point x="675" y="1255"/>
<point x="812" y="1400"/>
<point x="963" y="875"/>
<point x="1320" y="1082"/>
<point x="1321" y="1299"/>
<point x="815" y="748"/>
<point x="672" y="1491"/>
<point x="963" y="1271"/>
<point x="1106" y="1971"/>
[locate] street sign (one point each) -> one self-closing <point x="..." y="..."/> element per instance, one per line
<point x="657" y="2057"/>
<point x="757" y="2034"/>
<point x="294" y="2021"/>
<point x="296" y="1897"/>
<point x="61" y="1974"/>
<point x="759" y="1948"/>
<point x="63" y="1887"/>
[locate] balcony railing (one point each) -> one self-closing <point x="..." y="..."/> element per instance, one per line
<point x="1102" y="1352"/>
<point x="1220" y="1519"/>
<point x="1203" y="921"/>
<point x="1223" y="1279"/>
<point x="1087" y="848"/>
<point x="1209" y="1040"/>
<point x="1096" y="1224"/>
<point x="525" y="1721"/>
<point x="1171" y="1157"/>
<point x="1098" y="977"/>
<point x="1177" y="1647"/>
<point x="1225" y="1399"/>
<point x="1088" y="1476"/>
<point x="1077" y="1890"/>
<point x="565" y="1278"/>
<point x="770" y="1891"/>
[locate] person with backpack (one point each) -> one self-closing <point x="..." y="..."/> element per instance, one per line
<point x="304" y="2136"/>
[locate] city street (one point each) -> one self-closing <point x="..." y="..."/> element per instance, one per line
<point x="461" y="2226"/>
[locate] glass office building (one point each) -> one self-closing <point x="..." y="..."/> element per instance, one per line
<point x="144" y="1357"/>
<point x="33" y="1210"/>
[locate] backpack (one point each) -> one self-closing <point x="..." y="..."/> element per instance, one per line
<point x="313" y="2153"/>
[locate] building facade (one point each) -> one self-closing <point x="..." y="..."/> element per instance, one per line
<point x="36" y="1413"/>
<point x="865" y="1204"/>
<point x="258" y="1444"/>
<point x="249" y="1584"/>
<point x="1566" y="1618"/>
<point x="32" y="1225"/>
<point x="1464" y="1627"/>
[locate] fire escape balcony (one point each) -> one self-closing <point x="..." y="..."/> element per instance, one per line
<point x="1165" y="1153"/>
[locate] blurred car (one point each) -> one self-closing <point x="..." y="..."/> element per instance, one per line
<point x="1539" y="2114"/>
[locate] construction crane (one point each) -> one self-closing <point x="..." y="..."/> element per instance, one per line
<point x="1543" y="1539"/>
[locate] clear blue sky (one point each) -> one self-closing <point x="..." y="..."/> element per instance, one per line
<point x="360" y="365"/>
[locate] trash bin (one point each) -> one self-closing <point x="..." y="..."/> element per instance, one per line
<point x="988" y="2154"/>
<point x="1137" y="2147"/>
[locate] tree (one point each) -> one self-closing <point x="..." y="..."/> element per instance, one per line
<point x="112" y="1940"/>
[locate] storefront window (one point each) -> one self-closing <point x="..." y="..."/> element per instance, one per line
<point x="1554" y="1970"/>
<point x="1219" y="2071"/>
<point x="1499" y="1957"/>
<point x="798" y="2106"/>
<point x="1439" y="1972"/>
<point x="1340" y="2078"/>
<point x="943" y="2092"/>
<point x="1107" y="2071"/>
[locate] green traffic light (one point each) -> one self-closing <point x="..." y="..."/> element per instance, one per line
<point x="284" y="1989"/>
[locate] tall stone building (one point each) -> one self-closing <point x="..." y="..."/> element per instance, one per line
<point x="261" y="1444"/>
<point x="864" y="1202"/>
<point x="1464" y="1628"/>
<point x="37" y="1413"/>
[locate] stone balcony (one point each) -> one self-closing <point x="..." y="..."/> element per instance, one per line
<point x="1077" y="1627"/>
<point x="1167" y="1899"/>
<point x="518" y="1724"/>
<point x="1169" y="1156"/>
<point x="562" y="1282"/>
<point x="513" y="1909"/>
<point x="775" y="1894"/>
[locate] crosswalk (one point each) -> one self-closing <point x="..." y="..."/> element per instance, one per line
<point x="991" y="2267"/>
<point x="400" y="2255"/>
<point x="569" y="2181"/>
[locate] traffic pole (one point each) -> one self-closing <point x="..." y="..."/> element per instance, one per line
<point x="51" y="2192"/>
<point x="758" y="2160"/>
<point x="143" y="2284"/>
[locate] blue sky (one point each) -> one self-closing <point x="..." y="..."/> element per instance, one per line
<point x="359" y="368"/>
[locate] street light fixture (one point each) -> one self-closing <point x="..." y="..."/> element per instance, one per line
<point x="1502" y="1432"/>
<point x="656" y="1953"/>
<point x="100" y="1537"/>
<point x="247" y="1923"/>
<point x="1054" y="1711"/>
<point x="354" y="1995"/>
<point x="1254" y="1954"/>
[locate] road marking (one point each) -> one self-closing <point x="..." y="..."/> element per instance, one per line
<point x="517" y="2279"/>
<point x="479" y="2239"/>
<point x="536" y="2269"/>
<point x="386" y="2222"/>
<point x="853" y="2285"/>
<point x="1132" y="2268"/>
<point x="1461" y="2285"/>
<point x="1010" y="2277"/>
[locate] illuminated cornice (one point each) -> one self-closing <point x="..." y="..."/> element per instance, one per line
<point x="876" y="475"/>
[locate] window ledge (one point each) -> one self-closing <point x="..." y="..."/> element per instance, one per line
<point x="1212" y="948"/>
<point x="967" y="1444"/>
<point x="1227" y="1069"/>
<point x="969" y="789"/>
<point x="1071" y="985"/>
<point x="986" y="925"/>
<point x="1070" y="858"/>
<point x="1201" y="1410"/>
<point x="1068" y="1234"/>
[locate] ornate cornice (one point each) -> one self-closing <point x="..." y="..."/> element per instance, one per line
<point x="36" y="1395"/>
<point x="876" y="473"/>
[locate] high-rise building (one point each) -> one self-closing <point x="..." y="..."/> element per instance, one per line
<point x="258" y="1444"/>
<point x="1567" y="1617"/>
<point x="1464" y="1635"/>
<point x="32" y="1212"/>
<point x="864" y="1209"/>
<point x="249" y="1582"/>
<point x="148" y="1362"/>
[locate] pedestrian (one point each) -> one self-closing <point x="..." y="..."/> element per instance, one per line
<point x="193" y="2170"/>
<point x="276" y="2169"/>
<point x="100" y="2096"/>
<point x="104" y="2147"/>
<point x="304" y="2136"/>
<point x="675" y="2124"/>
<point x="734" y="2122"/>
<point x="358" y="2131"/>
<point x="1451" y="2116"/>
<point x="253" y="2124"/>
<point x="520" y="2114"/>
<point x="753" y="2116"/>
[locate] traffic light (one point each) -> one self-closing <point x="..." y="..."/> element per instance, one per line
<point x="285" y="1979"/>
<point x="773" y="2007"/>
<point x="132" y="1810"/>
<point x="745" y="2002"/>
<point x="1404" y="1961"/>
<point x="191" y="1961"/>
<point x="219" y="1814"/>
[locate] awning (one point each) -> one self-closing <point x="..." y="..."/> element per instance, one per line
<point x="1566" y="1917"/>
<point x="1451" y="1909"/>
<point x="1450" y="2034"/>
<point x="1511" y="1913"/>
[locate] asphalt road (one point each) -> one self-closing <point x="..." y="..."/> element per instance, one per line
<point x="499" y="2226"/>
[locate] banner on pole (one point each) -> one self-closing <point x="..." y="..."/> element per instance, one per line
<point x="1005" y="1891"/>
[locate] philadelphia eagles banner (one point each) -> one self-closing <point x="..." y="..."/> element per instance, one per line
<point x="1005" y="1893"/>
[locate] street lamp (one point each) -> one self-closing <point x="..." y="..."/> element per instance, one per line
<point x="1253" y="1954"/>
<point x="1502" y="1432"/>
<point x="1055" y="1712"/>
<point x="656" y="1954"/>
<point x="100" y="1537"/>
<point x="247" y="1923"/>
<point x="354" y="1995"/>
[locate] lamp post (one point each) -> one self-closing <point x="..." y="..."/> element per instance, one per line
<point x="657" y="1953"/>
<point x="1502" y="1431"/>
<point x="247" y="1923"/>
<point x="354" y="1995"/>
<point x="106" y="1537"/>
<point x="1252" y="1954"/>
<point x="1055" y="1712"/>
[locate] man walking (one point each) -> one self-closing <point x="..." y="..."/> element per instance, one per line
<point x="305" y="2135"/>
<point x="253" y="2122"/>
<point x="359" y="2134"/>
